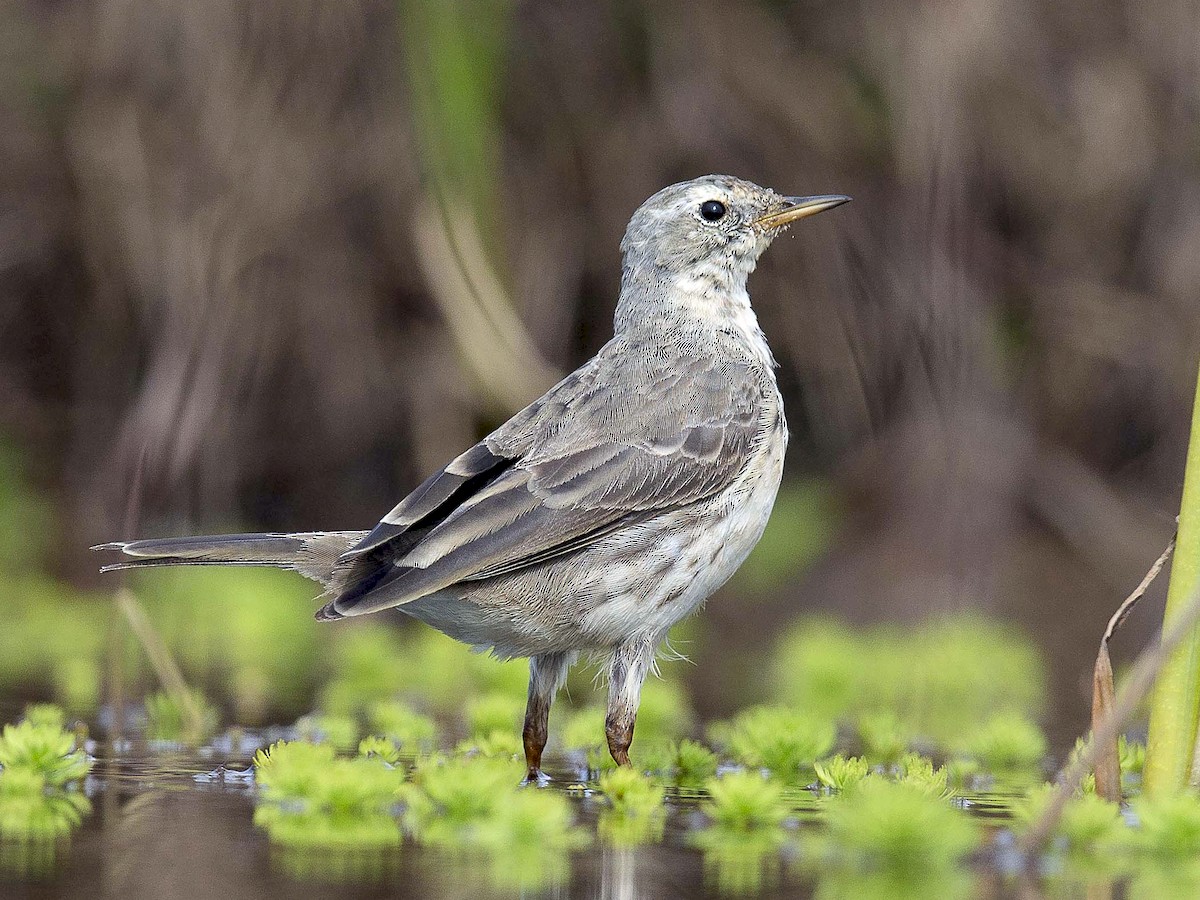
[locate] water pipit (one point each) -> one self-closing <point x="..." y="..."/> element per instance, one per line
<point x="608" y="509"/>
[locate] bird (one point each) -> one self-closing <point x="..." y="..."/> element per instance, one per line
<point x="608" y="509"/>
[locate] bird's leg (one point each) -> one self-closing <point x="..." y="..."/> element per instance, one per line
<point x="546" y="675"/>
<point x="630" y="664"/>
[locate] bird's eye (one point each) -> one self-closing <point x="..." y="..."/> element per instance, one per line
<point x="712" y="210"/>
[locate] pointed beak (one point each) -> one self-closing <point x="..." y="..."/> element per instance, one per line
<point x="799" y="208"/>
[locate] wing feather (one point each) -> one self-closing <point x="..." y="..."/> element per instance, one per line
<point x="634" y="433"/>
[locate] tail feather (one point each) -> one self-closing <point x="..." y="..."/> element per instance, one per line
<point x="313" y="554"/>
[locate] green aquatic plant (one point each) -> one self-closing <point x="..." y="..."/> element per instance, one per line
<point x="688" y="763"/>
<point x="695" y="763"/>
<point x="500" y="744"/>
<point x="40" y="772"/>
<point x="634" y="812"/>
<point x="884" y="739"/>
<point x="1006" y="744"/>
<point x="1168" y="827"/>
<point x="448" y="797"/>
<point x="741" y="846"/>
<point x="892" y="826"/>
<point x="527" y="840"/>
<point x="920" y="773"/>
<point x="167" y="721"/>
<point x="32" y="810"/>
<point x="784" y="741"/>
<point x="411" y="731"/>
<point x="938" y="681"/>
<point x="1175" y="703"/>
<point x="1132" y="756"/>
<point x="308" y="797"/>
<point x="44" y="749"/>
<point x="744" y="801"/>
<point x="263" y="648"/>
<point x="384" y="748"/>
<point x="1088" y="825"/>
<point x="494" y="711"/>
<point x="45" y="715"/>
<point x="840" y="772"/>
<point x="340" y="732"/>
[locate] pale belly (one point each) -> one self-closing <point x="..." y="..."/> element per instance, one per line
<point x="632" y="585"/>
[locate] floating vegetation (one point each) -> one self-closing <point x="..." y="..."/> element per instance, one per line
<point x="309" y="798"/>
<point x="895" y="827"/>
<point x="741" y="846"/>
<point x="783" y="741"/>
<point x="1168" y="827"/>
<point x="634" y="812"/>
<point x="1007" y="744"/>
<point x="1089" y="824"/>
<point x="408" y="729"/>
<point x="841" y="772"/>
<point x="41" y="770"/>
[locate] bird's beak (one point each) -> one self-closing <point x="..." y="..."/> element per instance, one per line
<point x="799" y="208"/>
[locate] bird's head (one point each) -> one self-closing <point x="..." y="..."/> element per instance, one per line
<point x="715" y="223"/>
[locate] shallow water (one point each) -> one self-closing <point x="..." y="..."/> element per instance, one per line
<point x="167" y="823"/>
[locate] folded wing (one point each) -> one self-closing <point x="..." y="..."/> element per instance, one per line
<point x="627" y="437"/>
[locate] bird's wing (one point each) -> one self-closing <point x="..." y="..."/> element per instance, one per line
<point x="635" y="432"/>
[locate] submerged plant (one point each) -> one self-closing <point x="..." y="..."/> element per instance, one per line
<point x="783" y="741"/>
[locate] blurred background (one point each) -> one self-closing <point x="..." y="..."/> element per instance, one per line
<point x="266" y="265"/>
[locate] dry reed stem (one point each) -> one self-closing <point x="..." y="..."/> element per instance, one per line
<point x="169" y="675"/>
<point x="1108" y="762"/>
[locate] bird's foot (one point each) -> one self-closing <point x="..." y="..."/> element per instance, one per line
<point x="535" y="777"/>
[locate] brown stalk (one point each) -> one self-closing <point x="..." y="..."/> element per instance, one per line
<point x="1108" y="760"/>
<point x="1137" y="686"/>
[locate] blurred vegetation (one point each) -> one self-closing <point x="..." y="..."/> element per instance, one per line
<point x="280" y="274"/>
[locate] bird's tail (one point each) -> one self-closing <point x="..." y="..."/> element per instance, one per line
<point x="314" y="554"/>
